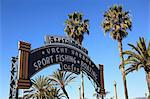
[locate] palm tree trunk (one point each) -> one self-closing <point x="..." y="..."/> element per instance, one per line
<point x="80" y="39"/>
<point x="148" y="80"/>
<point x="82" y="85"/>
<point x="65" y="92"/>
<point x="122" y="69"/>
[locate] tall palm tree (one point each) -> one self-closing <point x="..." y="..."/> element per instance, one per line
<point x="117" y="22"/>
<point x="139" y="57"/>
<point x="76" y="27"/>
<point x="62" y="79"/>
<point x="39" y="88"/>
<point x="54" y="93"/>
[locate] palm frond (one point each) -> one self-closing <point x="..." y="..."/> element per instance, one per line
<point x="136" y="49"/>
<point x="133" y="54"/>
<point x="117" y="22"/>
<point x="138" y="58"/>
<point x="130" y="69"/>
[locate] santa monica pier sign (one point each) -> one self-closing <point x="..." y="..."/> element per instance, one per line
<point x="65" y="51"/>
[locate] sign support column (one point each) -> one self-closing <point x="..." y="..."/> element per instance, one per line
<point x="24" y="50"/>
<point x="102" y="89"/>
<point x="13" y="80"/>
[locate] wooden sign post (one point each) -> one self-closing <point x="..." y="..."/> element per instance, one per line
<point x="24" y="50"/>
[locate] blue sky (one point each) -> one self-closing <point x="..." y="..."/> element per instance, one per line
<point x="30" y="20"/>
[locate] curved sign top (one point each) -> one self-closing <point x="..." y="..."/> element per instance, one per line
<point x="71" y="57"/>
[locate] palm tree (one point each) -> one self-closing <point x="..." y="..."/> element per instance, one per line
<point x="54" y="93"/>
<point x="117" y="22"/>
<point x="39" y="88"/>
<point x="76" y="27"/>
<point x="62" y="79"/>
<point x="139" y="57"/>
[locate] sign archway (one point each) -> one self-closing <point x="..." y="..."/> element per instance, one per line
<point x="65" y="51"/>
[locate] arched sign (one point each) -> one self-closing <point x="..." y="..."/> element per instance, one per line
<point x="57" y="50"/>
